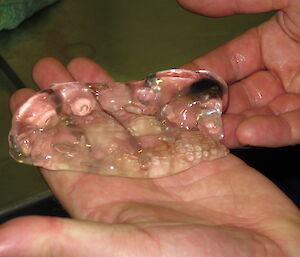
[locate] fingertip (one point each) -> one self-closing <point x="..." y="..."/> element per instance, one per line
<point x="246" y="133"/>
<point x="230" y="124"/>
<point x="86" y="70"/>
<point x="263" y="130"/>
<point x="20" y="97"/>
<point x="187" y="4"/>
<point x="75" y="62"/>
<point x="217" y="8"/>
<point x="28" y="236"/>
<point x="49" y="70"/>
<point x="45" y="61"/>
<point x="40" y="65"/>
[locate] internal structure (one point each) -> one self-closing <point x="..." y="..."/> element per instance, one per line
<point x="159" y="126"/>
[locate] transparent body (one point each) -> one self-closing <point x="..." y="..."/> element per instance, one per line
<point x="162" y="125"/>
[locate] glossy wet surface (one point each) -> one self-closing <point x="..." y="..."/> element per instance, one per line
<point x="162" y="125"/>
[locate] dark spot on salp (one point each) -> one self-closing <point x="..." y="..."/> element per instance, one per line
<point x="58" y="108"/>
<point x="48" y="91"/>
<point x="150" y="80"/>
<point x="54" y="98"/>
<point x="146" y="103"/>
<point x="206" y="87"/>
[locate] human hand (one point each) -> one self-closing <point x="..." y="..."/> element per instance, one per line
<point x="218" y="208"/>
<point x="262" y="66"/>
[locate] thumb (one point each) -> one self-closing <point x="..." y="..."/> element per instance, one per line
<point x="24" y="236"/>
<point x="217" y="8"/>
<point x="35" y="236"/>
<point x="48" y="236"/>
<point x="270" y="130"/>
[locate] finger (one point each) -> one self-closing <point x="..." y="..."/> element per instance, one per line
<point x="230" y="124"/>
<point x="219" y="8"/>
<point x="45" y="72"/>
<point x="28" y="236"/>
<point x="234" y="60"/>
<point x="232" y="121"/>
<point x="254" y="91"/>
<point x="285" y="103"/>
<point x="49" y="70"/>
<point x="270" y="130"/>
<point x="277" y="109"/>
<point x="20" y="97"/>
<point x="35" y="236"/>
<point x="280" y="126"/>
<point x="85" y="70"/>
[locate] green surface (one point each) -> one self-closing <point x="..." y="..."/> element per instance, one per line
<point x="128" y="38"/>
<point x="13" y="12"/>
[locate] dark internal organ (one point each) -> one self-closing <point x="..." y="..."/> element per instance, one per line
<point x="165" y="124"/>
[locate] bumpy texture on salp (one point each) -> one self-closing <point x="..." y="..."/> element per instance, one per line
<point x="13" y="12"/>
<point x="165" y="124"/>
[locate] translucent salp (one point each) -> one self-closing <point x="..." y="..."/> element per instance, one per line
<point x="162" y="125"/>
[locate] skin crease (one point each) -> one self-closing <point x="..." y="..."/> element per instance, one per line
<point x="219" y="208"/>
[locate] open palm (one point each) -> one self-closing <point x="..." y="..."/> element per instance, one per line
<point x="218" y="208"/>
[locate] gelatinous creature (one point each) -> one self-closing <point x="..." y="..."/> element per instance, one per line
<point x="159" y="126"/>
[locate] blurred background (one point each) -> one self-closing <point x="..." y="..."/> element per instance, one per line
<point x="130" y="39"/>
